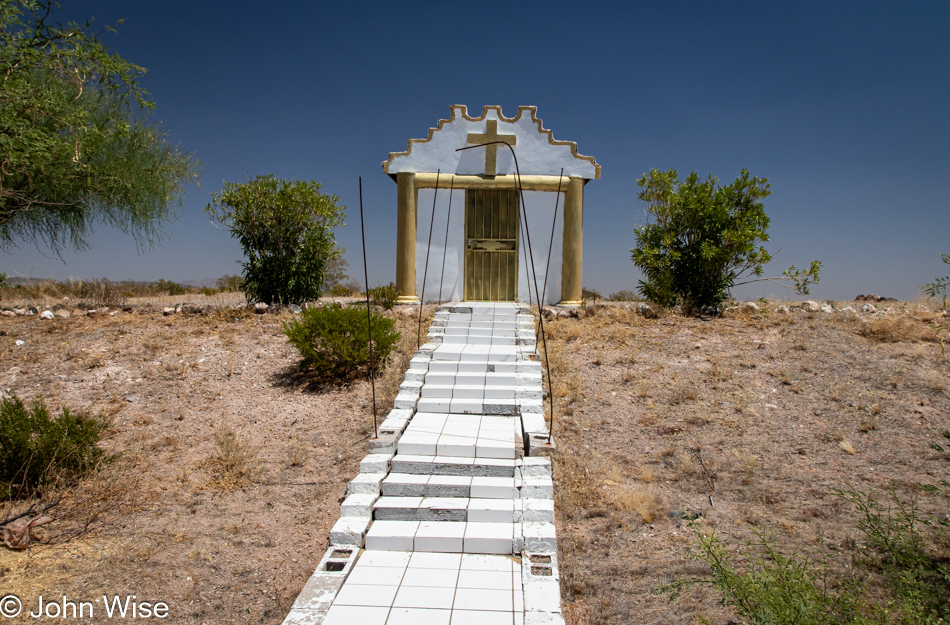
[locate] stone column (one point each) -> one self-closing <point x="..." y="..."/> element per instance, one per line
<point x="573" y="249"/>
<point x="406" y="237"/>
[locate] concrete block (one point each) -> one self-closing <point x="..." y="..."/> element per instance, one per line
<point x="491" y="510"/>
<point x="528" y="392"/>
<point x="406" y="400"/>
<point x="537" y="510"/>
<point x="539" y="537"/>
<point x="528" y="366"/>
<point x="416" y="375"/>
<point x="517" y="540"/>
<point x="443" y="509"/>
<point x="358" y="505"/>
<point x="533" y="422"/>
<point x="448" y="486"/>
<point x="375" y="463"/>
<point x="404" y="485"/>
<point x="542" y="596"/>
<point x="536" y="466"/>
<point x="531" y="406"/>
<point x="349" y="531"/>
<point x="385" y="443"/>
<point x="494" y="488"/>
<point x="543" y="618"/>
<point x="365" y="483"/>
<point x="537" y="487"/>
<point x="410" y="386"/>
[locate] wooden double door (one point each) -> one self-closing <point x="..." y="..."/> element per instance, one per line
<point x="491" y="245"/>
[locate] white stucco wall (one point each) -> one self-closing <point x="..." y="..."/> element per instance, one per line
<point x="536" y="153"/>
<point x="540" y="211"/>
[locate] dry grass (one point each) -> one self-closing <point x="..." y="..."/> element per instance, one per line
<point x="234" y="461"/>
<point x="773" y="401"/>
<point x="642" y="499"/>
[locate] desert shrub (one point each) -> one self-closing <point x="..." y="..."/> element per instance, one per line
<point x="229" y="283"/>
<point x="37" y="449"/>
<point x="345" y="289"/>
<point x="286" y="230"/>
<point x="904" y="556"/>
<point x="703" y="237"/>
<point x="102" y="292"/>
<point x="334" y="340"/>
<point x="771" y="588"/>
<point x="593" y="294"/>
<point x="384" y="295"/>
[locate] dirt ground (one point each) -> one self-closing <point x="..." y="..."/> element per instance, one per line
<point x="745" y="422"/>
<point x="653" y="417"/>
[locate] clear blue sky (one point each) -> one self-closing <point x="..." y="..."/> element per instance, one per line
<point x="843" y="106"/>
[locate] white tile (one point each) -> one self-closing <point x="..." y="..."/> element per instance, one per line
<point x="384" y="558"/>
<point x="494" y="450"/>
<point x="456" y="339"/>
<point x="447" y="377"/>
<point x="439" y="536"/>
<point x="419" y="597"/>
<point x="483" y="599"/>
<point x="432" y="404"/>
<point x="492" y="580"/>
<point x="418" y="444"/>
<point x="478" y="353"/>
<point x="376" y="575"/>
<point x="479" y="339"/>
<point x="418" y="616"/>
<point x="493" y="487"/>
<point x="347" y="615"/>
<point x="466" y="406"/>
<point x="456" y="446"/>
<point x="438" y="390"/>
<point x="467" y="391"/>
<point x="391" y="535"/>
<point x="480" y="562"/>
<point x="488" y="538"/>
<point x="495" y="392"/>
<point x="436" y="561"/>
<point x="442" y="366"/>
<point x="471" y="378"/>
<point x="358" y="594"/>
<point x="502" y="353"/>
<point x="472" y="367"/>
<point x="491" y="510"/>
<point x="480" y="617"/>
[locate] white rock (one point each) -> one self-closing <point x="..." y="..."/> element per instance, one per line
<point x="826" y="308"/>
<point x="751" y="305"/>
<point x="811" y="306"/>
<point x="869" y="308"/>
<point x="47" y="314"/>
<point x="168" y="310"/>
<point x="782" y="309"/>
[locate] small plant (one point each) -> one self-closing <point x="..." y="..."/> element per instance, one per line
<point x="234" y="460"/>
<point x="776" y="589"/>
<point x="38" y="449"/>
<point x="384" y="295"/>
<point x="593" y="294"/>
<point x="334" y="341"/>
<point x="938" y="288"/>
<point x="229" y="283"/>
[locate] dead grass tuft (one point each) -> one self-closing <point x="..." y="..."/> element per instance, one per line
<point x="642" y="499"/>
<point x="895" y="329"/>
<point x="234" y="461"/>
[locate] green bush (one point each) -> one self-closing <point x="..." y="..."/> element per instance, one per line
<point x="703" y="237"/>
<point x="37" y="449"/>
<point x="333" y="340"/>
<point x="938" y="288"/>
<point x="385" y="295"/>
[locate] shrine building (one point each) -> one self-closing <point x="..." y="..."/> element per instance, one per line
<point x="479" y="249"/>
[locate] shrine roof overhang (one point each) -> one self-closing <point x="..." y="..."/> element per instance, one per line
<point x="538" y="153"/>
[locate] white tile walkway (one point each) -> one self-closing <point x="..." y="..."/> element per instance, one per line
<point x="451" y="520"/>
